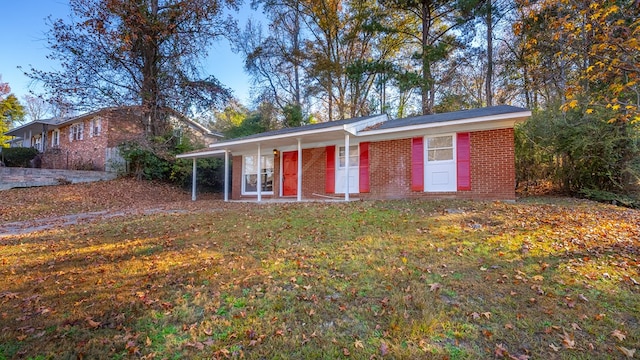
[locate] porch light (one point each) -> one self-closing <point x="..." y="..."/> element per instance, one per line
<point x="275" y="152"/>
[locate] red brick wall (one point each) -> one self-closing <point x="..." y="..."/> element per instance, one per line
<point x="389" y="169"/>
<point x="236" y="177"/>
<point x="492" y="170"/>
<point x="123" y="125"/>
<point x="90" y="152"/>
<point x="314" y="165"/>
<point x="493" y="164"/>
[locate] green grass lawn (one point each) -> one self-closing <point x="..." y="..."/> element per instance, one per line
<point x="364" y="280"/>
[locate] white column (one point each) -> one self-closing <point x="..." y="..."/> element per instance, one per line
<point x="193" y="182"/>
<point x="299" y="198"/>
<point x="346" y="166"/>
<point x="259" y="175"/>
<point x="226" y="175"/>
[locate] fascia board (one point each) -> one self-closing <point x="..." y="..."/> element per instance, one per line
<point x="201" y="154"/>
<point x="513" y="117"/>
<point x="437" y="130"/>
<point x="228" y="144"/>
<point x="355" y="128"/>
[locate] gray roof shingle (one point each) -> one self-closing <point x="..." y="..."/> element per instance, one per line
<point x="451" y="116"/>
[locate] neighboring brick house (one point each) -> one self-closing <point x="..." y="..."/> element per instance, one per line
<point x="465" y="154"/>
<point x="90" y="141"/>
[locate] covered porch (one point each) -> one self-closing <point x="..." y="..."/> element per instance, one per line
<point x="272" y="164"/>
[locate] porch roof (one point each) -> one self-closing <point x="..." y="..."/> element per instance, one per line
<point x="35" y="127"/>
<point x="314" y="133"/>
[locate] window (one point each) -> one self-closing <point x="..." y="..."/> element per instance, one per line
<point x="55" y="138"/>
<point x="440" y="148"/>
<point x="37" y="142"/>
<point x="76" y="132"/>
<point x="353" y="156"/>
<point x="250" y="173"/>
<point x="96" y="127"/>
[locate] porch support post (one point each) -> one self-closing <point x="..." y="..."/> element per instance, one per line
<point x="193" y="181"/>
<point x="259" y="175"/>
<point x="226" y="175"/>
<point x="299" y="198"/>
<point x="346" y="166"/>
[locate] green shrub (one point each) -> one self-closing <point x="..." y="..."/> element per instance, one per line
<point x="18" y="157"/>
<point x="582" y="153"/>
<point x="155" y="160"/>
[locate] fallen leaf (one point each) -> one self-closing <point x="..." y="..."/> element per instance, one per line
<point x="93" y="324"/>
<point x="500" y="351"/>
<point x="358" y="344"/>
<point x="345" y="352"/>
<point x="487" y="314"/>
<point x="568" y="340"/>
<point x="384" y="350"/>
<point x="554" y="347"/>
<point x="434" y="287"/>
<point x="627" y="352"/>
<point x="575" y="326"/>
<point x="618" y="335"/>
<point x="583" y="298"/>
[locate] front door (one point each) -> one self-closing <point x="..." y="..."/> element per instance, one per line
<point x="440" y="169"/>
<point x="341" y="170"/>
<point x="290" y="173"/>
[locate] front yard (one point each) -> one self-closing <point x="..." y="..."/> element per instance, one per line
<point x="540" y="279"/>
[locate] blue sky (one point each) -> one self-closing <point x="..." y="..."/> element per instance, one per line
<point x="23" y="43"/>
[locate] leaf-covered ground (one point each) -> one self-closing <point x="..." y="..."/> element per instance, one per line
<point x="538" y="279"/>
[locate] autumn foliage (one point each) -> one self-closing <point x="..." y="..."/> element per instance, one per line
<point x="148" y="274"/>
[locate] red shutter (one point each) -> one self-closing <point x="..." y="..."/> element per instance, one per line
<point x="330" y="176"/>
<point x="364" y="167"/>
<point x="463" y="152"/>
<point x="417" y="164"/>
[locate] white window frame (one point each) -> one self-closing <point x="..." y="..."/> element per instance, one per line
<point x="354" y="156"/>
<point x="436" y="149"/>
<point x="96" y="127"/>
<point x="76" y="132"/>
<point x="55" y="138"/>
<point x="265" y="171"/>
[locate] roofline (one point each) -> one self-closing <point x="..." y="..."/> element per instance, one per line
<point x="351" y="128"/>
<point x="201" y="154"/>
<point x="30" y="123"/>
<point x="472" y="120"/>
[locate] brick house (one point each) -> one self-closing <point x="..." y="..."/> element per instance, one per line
<point x="90" y="141"/>
<point x="465" y="154"/>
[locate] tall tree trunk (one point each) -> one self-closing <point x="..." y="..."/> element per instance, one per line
<point x="489" y="80"/>
<point x="149" y="87"/>
<point x="298" y="54"/>
<point x="427" y="81"/>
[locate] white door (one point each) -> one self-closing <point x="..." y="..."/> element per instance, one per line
<point x="341" y="170"/>
<point x="440" y="166"/>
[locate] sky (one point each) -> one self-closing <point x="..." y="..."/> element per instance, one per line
<point x="23" y="30"/>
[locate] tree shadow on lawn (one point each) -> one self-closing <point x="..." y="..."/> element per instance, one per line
<point x="395" y="279"/>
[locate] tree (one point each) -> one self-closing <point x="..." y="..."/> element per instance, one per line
<point x="10" y="111"/>
<point x="36" y="107"/>
<point x="433" y="39"/>
<point x="583" y="61"/>
<point x="136" y="52"/>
